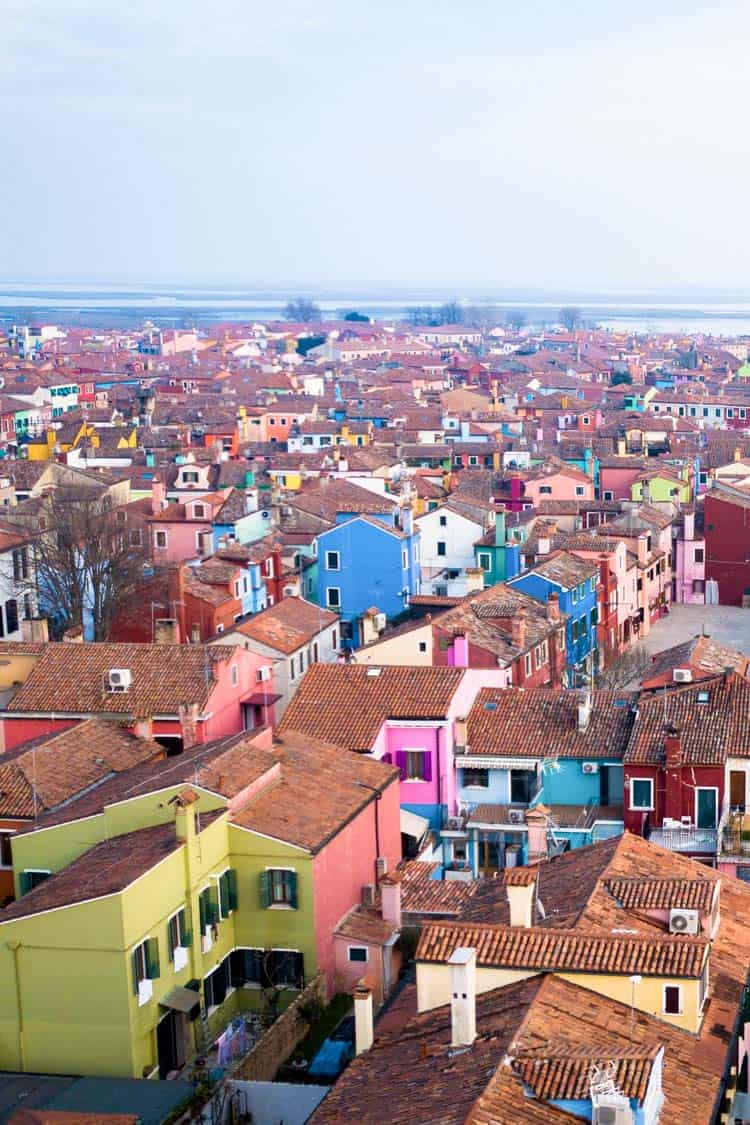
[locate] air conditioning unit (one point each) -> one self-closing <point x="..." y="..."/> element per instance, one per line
<point x="119" y="679"/>
<point x="515" y="816"/>
<point x="455" y="823"/>
<point x="380" y="621"/>
<point x="265" y="515"/>
<point x="684" y="921"/>
<point x="264" y="674"/>
<point x="617" y="1112"/>
<point x="682" y="676"/>
<point x="590" y="767"/>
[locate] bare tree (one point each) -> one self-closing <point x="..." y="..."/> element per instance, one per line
<point x="450" y="313"/>
<point x="570" y="317"/>
<point x="83" y="563"/>
<point x="515" y="319"/>
<point x="302" y="310"/>
<point x="625" y="672"/>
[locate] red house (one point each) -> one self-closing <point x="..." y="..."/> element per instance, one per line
<point x="726" y="524"/>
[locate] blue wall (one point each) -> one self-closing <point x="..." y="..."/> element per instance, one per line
<point x="497" y="793"/>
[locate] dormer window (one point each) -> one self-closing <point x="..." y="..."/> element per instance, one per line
<point x="199" y="511"/>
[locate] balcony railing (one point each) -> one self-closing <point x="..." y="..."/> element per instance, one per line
<point x="705" y="840"/>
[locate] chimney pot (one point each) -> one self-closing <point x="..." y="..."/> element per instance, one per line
<point x="390" y="890"/>
<point x="364" y="1030"/>
<point x="463" y="966"/>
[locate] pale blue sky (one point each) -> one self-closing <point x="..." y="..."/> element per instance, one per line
<point x="533" y="143"/>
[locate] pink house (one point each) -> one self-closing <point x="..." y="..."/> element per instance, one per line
<point x="563" y="483"/>
<point x="690" y="562"/>
<point x="180" y="695"/>
<point x="616" y="477"/>
<point x="184" y="530"/>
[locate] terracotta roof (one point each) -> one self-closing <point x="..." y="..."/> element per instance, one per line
<point x="39" y="775"/>
<point x="543" y="722"/>
<point x="421" y="894"/>
<point x="73" y="677"/>
<point x="662" y="894"/>
<point x="712" y="719"/>
<point x="565" y="570"/>
<point x="320" y="788"/>
<point x="563" y="950"/>
<point x="328" y="497"/>
<point x="702" y="655"/>
<point x="562" y="1072"/>
<point x="347" y="704"/>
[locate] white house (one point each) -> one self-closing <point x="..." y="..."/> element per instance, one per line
<point x="447" y="542"/>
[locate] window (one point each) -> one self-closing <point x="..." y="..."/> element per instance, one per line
<point x="145" y="969"/>
<point x="672" y="1000"/>
<point x="404" y="559"/>
<point x="594" y="617"/>
<point x="227" y="892"/>
<point x="20" y="564"/>
<point x="134" y="537"/>
<point x="574" y="595"/>
<point x="278" y="887"/>
<point x="527" y="664"/>
<point x="160" y="538"/>
<point x="6" y="854"/>
<point x="698" y="555"/>
<point x="333" y="560"/>
<point x="292" y="668"/>
<point x="216" y="985"/>
<point x="31" y="878"/>
<point x="441" y="548"/>
<point x="246" y="967"/>
<point x="443" y="521"/>
<point x="208" y="909"/>
<point x="357" y="953"/>
<point x="189" y="477"/>
<point x="334" y="640"/>
<point x="545" y="490"/>
<point x="580" y="490"/>
<point x="485" y="561"/>
<point x="476" y="778"/>
<point x="521" y="782"/>
<point x="415" y="764"/>
<point x="422" y="646"/>
<point x="11" y="615"/>
<point x="333" y="597"/>
<point x="179" y="938"/>
<point x="285" y="967"/>
<point x="642" y="793"/>
<point x="608" y="494"/>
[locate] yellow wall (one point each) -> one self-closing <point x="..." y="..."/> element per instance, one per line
<point x="401" y="649"/>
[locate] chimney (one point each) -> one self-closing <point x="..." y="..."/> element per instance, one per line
<point x="381" y="867"/>
<point x="518" y="630"/>
<point x="738" y="454"/>
<point x="584" y="712"/>
<point x="364" y="1032"/>
<point x="195" y="634"/>
<point x="184" y="815"/>
<point x="143" y="728"/>
<point x="553" y="607"/>
<point x="35" y="630"/>
<point x="460" y="732"/>
<point x="688" y="524"/>
<point x="642" y="549"/>
<point x="158" y="495"/>
<point x="166" y="631"/>
<point x="390" y="890"/>
<point x="463" y="964"/>
<point x="188" y="713"/>
<point x="407" y="520"/>
<point x="621" y="447"/>
<point x="673" y="747"/>
<point x="520" y="887"/>
<point x="543" y="545"/>
<point x="73" y="635"/>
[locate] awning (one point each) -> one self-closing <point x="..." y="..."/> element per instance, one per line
<point x="413" y="825"/>
<point x="262" y="698"/>
<point x="181" y="999"/>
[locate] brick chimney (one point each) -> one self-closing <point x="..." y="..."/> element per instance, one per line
<point x="518" y="630"/>
<point x="158" y="495"/>
<point x="553" y="607"/>
<point x="188" y="713"/>
<point x="673" y="747"/>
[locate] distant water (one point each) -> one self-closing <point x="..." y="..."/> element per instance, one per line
<point x="129" y="305"/>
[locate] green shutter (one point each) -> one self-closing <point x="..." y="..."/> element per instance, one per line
<point x="187" y="928"/>
<point x="202" y="911"/>
<point x="265" y="889"/>
<point x="152" y="958"/>
<point x="25" y="882"/>
<point x="212" y="906"/>
<point x="222" y="891"/>
<point x="170" y="942"/>
<point x="232" y="893"/>
<point x="136" y="977"/>
<point x="292" y="880"/>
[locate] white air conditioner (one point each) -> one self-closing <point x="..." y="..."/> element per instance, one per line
<point x="682" y="676"/>
<point x="119" y="679"/>
<point x="590" y="767"/>
<point x="684" y="921"/>
<point x="265" y="515"/>
<point x="515" y="816"/>
<point x="264" y="674"/>
<point x="612" y="1109"/>
<point x="380" y="621"/>
<point x="455" y="823"/>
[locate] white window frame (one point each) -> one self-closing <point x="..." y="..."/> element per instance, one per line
<point x="664" y="1000"/>
<point x="407" y="750"/>
<point x="642" y="808"/>
<point x="183" y="958"/>
<point x="527" y="664"/>
<point x="328" y="597"/>
<point x="698" y="789"/>
<point x="157" y="544"/>
<point x="329" y="566"/>
<point x="608" y="494"/>
<point x="484" y="558"/>
<point x="199" y="511"/>
<point x="234" y="675"/>
<point x="357" y="961"/>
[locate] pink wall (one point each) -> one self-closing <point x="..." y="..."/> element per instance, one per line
<point x="182" y="542"/>
<point x="431" y="739"/>
<point x="346" y="864"/>
<point x="563" y="488"/>
<point x="617" y="481"/>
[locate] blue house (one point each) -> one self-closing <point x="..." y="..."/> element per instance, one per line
<point x="365" y="562"/>
<point x="574" y="582"/>
<point x="539" y="771"/>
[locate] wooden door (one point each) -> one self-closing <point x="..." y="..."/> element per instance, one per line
<point x="737" y="789"/>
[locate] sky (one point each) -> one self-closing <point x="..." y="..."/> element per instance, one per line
<point x="474" y="145"/>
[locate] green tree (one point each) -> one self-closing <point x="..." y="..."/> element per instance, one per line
<point x="357" y="317"/>
<point x="621" y="377"/>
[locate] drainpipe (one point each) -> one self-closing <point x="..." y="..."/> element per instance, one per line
<point x="378" y="798"/>
<point x="15" y="948"/>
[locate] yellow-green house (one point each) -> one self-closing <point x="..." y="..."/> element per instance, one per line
<point x="146" y="923"/>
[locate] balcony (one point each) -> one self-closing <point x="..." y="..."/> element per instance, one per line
<point x="704" y="841"/>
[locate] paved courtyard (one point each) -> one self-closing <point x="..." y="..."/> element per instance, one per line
<point x="725" y="624"/>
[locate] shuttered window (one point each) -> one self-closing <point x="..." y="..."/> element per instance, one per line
<point x="285" y="967"/>
<point x="178" y="933"/>
<point x="246" y="967"/>
<point x="227" y="891"/>
<point x="208" y="908"/>
<point x="145" y="962"/>
<point x="30" y="879"/>
<point x="278" y="888"/>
